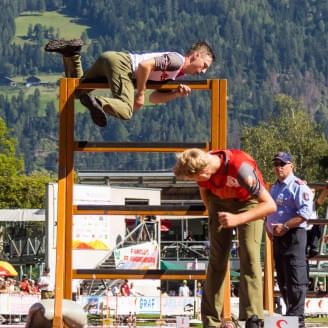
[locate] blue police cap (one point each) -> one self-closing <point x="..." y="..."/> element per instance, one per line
<point x="284" y="157"/>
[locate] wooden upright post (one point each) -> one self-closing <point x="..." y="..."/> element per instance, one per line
<point x="268" y="276"/>
<point x="69" y="189"/>
<point x="61" y="212"/>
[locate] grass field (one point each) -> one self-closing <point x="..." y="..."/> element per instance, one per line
<point x="48" y="94"/>
<point x="67" y="27"/>
<point x="51" y="78"/>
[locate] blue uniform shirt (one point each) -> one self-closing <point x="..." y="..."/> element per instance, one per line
<point x="293" y="198"/>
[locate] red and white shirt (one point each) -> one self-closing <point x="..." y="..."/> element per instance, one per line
<point x="237" y="178"/>
<point x="168" y="65"/>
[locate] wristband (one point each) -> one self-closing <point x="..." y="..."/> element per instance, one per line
<point x="285" y="226"/>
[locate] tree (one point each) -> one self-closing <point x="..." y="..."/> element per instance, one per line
<point x="293" y="131"/>
<point x="10" y="164"/>
<point x="24" y="191"/>
<point x="30" y="32"/>
<point x="17" y="190"/>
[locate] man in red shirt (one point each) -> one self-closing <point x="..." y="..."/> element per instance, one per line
<point x="233" y="191"/>
<point x="125" y="289"/>
<point x="24" y="285"/>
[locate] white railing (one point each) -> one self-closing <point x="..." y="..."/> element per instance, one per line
<point x="11" y="304"/>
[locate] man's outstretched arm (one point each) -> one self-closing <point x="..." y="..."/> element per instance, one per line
<point x="158" y="97"/>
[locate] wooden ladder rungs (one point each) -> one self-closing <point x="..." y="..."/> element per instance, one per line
<point x="176" y="210"/>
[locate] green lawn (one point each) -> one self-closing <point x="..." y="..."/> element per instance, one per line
<point x="51" y="78"/>
<point x="66" y="26"/>
<point x="48" y="94"/>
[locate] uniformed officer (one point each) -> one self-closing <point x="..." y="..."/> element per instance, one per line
<point x="232" y="189"/>
<point x="287" y="228"/>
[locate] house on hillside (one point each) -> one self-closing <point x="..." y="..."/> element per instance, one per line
<point x="32" y="80"/>
<point x="6" y="81"/>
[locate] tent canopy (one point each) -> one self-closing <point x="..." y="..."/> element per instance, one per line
<point x="7" y="270"/>
<point x="20" y="215"/>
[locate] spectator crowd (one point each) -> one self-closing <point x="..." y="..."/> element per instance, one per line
<point x="43" y="286"/>
<point x="10" y="285"/>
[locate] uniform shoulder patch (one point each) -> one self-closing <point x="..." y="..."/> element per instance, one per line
<point x="300" y="182"/>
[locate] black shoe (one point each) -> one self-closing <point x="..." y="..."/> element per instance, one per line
<point x="301" y="322"/>
<point x="66" y="48"/>
<point x="253" y="322"/>
<point x="313" y="252"/>
<point x="97" y="114"/>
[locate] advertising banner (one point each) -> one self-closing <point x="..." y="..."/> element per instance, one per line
<point x="150" y="305"/>
<point x="167" y="305"/>
<point x="281" y="322"/>
<point x="91" y="232"/>
<point x="91" y="304"/>
<point x="142" y="256"/>
<point x="17" y="304"/>
<point x="175" y="305"/>
<point x="182" y="306"/>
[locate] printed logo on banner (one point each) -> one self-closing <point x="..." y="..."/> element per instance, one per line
<point x="280" y="322"/>
<point x="140" y="256"/>
<point x="91" y="304"/>
<point x="188" y="306"/>
<point x="182" y="322"/>
<point x="149" y="305"/>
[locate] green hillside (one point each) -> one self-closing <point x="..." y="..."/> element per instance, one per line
<point x="64" y="26"/>
<point x="263" y="47"/>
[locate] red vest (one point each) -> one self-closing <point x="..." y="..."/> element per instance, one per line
<point x="230" y="181"/>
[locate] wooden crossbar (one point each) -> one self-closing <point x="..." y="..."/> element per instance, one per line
<point x="162" y="85"/>
<point x="318" y="258"/>
<point x="169" y="147"/>
<point x="139" y="274"/>
<point x="174" y="210"/>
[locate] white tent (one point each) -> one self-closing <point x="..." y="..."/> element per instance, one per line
<point x="22" y="215"/>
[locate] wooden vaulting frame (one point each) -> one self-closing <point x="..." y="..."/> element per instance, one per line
<point x="66" y="210"/>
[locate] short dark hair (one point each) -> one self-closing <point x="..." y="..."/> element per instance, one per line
<point x="202" y="46"/>
<point x="46" y="269"/>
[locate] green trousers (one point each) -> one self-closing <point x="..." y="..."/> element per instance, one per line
<point x="250" y="236"/>
<point x="116" y="68"/>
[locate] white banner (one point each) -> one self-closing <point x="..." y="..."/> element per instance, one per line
<point x="141" y="256"/>
<point x="174" y="305"/>
<point x="145" y="305"/>
<point x="149" y="305"/>
<point x="17" y="304"/>
<point x="316" y="306"/>
<point x="182" y="322"/>
<point x="122" y="305"/>
<point x="280" y="322"/>
<point x="91" y="232"/>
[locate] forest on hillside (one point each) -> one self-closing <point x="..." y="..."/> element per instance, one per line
<point x="263" y="48"/>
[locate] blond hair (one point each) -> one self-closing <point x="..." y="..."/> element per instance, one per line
<point x="190" y="162"/>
